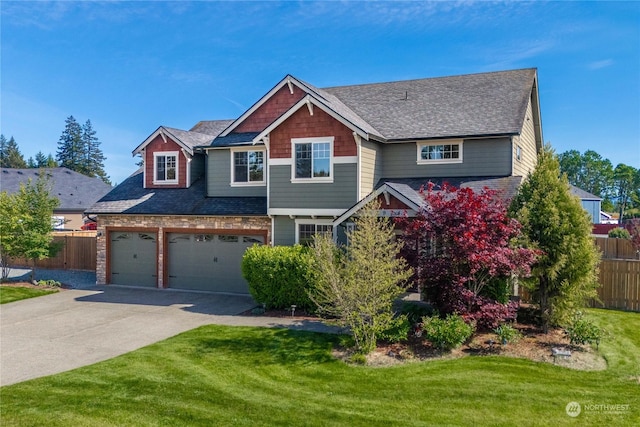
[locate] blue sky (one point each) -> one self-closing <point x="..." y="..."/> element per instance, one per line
<point x="132" y="66"/>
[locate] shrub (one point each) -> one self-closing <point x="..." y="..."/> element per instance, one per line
<point x="619" y="233"/>
<point x="583" y="331"/>
<point x="448" y="333"/>
<point x="49" y="283"/>
<point x="398" y="330"/>
<point x="279" y="276"/>
<point x="507" y="334"/>
<point x="488" y="314"/>
<point x="415" y="311"/>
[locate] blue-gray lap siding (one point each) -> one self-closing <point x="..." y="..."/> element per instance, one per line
<point x="284" y="231"/>
<point x="487" y="157"/>
<point x="219" y="178"/>
<point x="593" y="208"/>
<point x="340" y="194"/>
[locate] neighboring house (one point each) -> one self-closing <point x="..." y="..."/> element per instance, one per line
<point x="76" y="192"/>
<point x="591" y="203"/>
<point x="304" y="160"/>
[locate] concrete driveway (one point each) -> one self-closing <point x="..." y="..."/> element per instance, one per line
<point x="55" y="333"/>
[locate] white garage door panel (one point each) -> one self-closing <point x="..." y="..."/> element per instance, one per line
<point x="208" y="262"/>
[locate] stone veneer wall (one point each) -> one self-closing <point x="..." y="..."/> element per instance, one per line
<point x="162" y="222"/>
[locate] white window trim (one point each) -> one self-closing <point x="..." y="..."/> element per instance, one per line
<point x="518" y="153"/>
<point x="309" y="221"/>
<point x="421" y="145"/>
<point x="155" y="167"/>
<point x="233" y="182"/>
<point x="294" y="141"/>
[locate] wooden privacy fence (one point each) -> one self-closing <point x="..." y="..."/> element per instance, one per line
<point x="77" y="253"/>
<point x="620" y="284"/>
<point x="615" y="248"/>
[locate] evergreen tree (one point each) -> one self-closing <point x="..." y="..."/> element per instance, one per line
<point x="10" y="155"/>
<point x="554" y="222"/>
<point x="626" y="183"/>
<point x="3" y="149"/>
<point x="93" y="164"/>
<point x="41" y="160"/>
<point x="70" y="146"/>
<point x="31" y="163"/>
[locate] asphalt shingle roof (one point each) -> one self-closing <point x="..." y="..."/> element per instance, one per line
<point x="211" y="127"/>
<point x="468" y="105"/>
<point x="505" y="186"/>
<point x="189" y="138"/>
<point x="131" y="198"/>
<point x="76" y="192"/>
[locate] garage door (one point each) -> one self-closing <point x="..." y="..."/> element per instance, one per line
<point x="208" y="262"/>
<point x="133" y="258"/>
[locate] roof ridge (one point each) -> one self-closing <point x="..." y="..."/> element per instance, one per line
<point x="432" y="78"/>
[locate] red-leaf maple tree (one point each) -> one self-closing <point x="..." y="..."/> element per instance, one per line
<point x="460" y="244"/>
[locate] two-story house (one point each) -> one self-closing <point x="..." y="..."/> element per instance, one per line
<point x="303" y="160"/>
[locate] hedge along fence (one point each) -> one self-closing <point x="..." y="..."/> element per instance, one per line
<point x="77" y="253"/>
<point x="619" y="285"/>
<point x="279" y="276"/>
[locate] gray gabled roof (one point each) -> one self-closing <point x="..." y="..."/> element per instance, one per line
<point x="506" y="186"/>
<point x="582" y="194"/>
<point x="76" y="192"/>
<point x="189" y="138"/>
<point x="211" y="127"/>
<point x="459" y="106"/>
<point x="131" y="198"/>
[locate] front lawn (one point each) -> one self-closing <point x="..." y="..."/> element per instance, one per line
<point x="16" y="293"/>
<point x="217" y="375"/>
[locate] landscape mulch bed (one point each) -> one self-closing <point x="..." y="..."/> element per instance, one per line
<point x="534" y="345"/>
<point x="63" y="287"/>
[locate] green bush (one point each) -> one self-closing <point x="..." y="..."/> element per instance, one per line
<point x="507" y="334"/>
<point x="399" y="330"/>
<point x="583" y="331"/>
<point x="415" y="311"/>
<point x="279" y="276"/>
<point x="49" y="283"/>
<point x="448" y="333"/>
<point x="619" y="233"/>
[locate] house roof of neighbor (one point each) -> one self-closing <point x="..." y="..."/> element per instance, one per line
<point x="75" y="191"/>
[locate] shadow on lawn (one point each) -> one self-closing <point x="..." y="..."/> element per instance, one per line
<point x="277" y="346"/>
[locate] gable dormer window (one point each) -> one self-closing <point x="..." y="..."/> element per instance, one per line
<point x="440" y="152"/>
<point x="165" y="167"/>
<point x="313" y="159"/>
<point x="247" y="167"/>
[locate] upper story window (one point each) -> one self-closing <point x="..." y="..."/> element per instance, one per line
<point x="441" y="152"/>
<point x="313" y="160"/>
<point x="165" y="167"/>
<point x="247" y="168"/>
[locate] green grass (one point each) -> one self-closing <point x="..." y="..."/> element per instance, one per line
<point x="11" y="293"/>
<point x="217" y="375"/>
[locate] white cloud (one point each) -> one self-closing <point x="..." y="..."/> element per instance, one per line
<point x="596" y="65"/>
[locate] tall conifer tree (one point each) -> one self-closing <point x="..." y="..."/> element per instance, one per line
<point x="553" y="221"/>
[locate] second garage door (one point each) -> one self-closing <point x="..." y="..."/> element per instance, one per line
<point x="208" y="262"/>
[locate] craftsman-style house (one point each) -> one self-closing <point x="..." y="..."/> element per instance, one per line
<point x="303" y="160"/>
